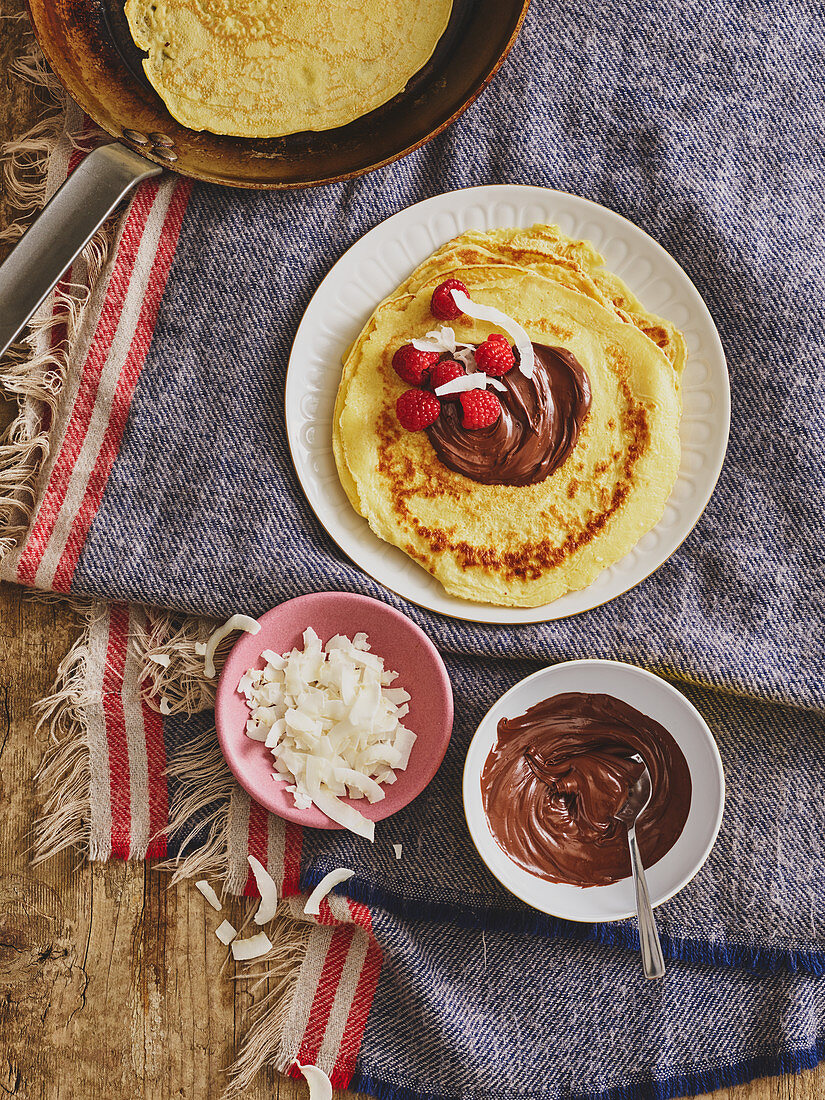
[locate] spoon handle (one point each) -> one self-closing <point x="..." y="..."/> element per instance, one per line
<point x="652" y="960"/>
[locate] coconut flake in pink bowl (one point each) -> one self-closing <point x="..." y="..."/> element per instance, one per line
<point x="405" y="648"/>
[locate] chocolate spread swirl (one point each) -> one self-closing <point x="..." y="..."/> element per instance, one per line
<point x="559" y="773"/>
<point x="539" y="424"/>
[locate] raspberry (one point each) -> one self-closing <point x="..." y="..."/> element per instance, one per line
<point x="481" y="408"/>
<point x="417" y="409"/>
<point x="442" y="305"/>
<point x="495" y="356"/>
<point x="444" y="372"/>
<point x="411" y="365"/>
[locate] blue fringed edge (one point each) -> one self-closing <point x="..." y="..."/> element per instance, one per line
<point x="623" y="934"/>
<point x="690" y="1083"/>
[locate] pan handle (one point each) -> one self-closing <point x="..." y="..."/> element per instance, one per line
<point x="59" y="233"/>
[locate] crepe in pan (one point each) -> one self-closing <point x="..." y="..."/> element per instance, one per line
<point x="257" y="68"/>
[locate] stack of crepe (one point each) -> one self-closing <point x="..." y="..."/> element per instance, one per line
<point x="519" y="545"/>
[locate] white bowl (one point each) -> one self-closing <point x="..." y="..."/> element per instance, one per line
<point x="654" y="697"/>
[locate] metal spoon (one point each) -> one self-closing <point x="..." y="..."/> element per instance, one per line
<point x="637" y="800"/>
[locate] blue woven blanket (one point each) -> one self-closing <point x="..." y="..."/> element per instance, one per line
<point x="701" y="122"/>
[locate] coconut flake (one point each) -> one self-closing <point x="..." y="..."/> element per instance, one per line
<point x="463" y="384"/>
<point x="268" y="890"/>
<point x="466" y="382"/>
<point x="466" y="355"/>
<point x="344" y="815"/>
<point x="443" y="341"/>
<point x="397" y="849"/>
<point x="313" y="905"/>
<point x="208" y="893"/>
<point x="226" y="933"/>
<point x="332" y="723"/>
<point x="165" y="707"/>
<point x="513" y="329"/>
<point x="237" y="622"/>
<point x="162" y="659"/>
<point x="440" y="339"/>
<point x="428" y="345"/>
<point x="251" y="948"/>
<point x="445" y="334"/>
<point x="404" y="741"/>
<point x="320" y="1086"/>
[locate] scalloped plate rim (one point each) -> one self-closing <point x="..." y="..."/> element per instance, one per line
<point x="394" y="569"/>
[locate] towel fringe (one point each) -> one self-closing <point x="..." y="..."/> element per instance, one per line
<point x="262" y="1044"/>
<point x="203" y="795"/>
<point x="35" y="367"/>
<point x="64" y="777"/>
<point x="205" y="788"/>
<point x="171" y="669"/>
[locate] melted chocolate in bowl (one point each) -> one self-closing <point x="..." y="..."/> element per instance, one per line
<point x="538" y="428"/>
<point x="559" y="773"/>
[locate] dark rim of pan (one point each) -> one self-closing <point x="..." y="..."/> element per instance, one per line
<point x="87" y="43"/>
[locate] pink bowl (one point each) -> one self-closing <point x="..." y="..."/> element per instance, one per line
<point x="405" y="648"/>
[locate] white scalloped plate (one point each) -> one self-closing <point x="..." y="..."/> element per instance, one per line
<point x="373" y="268"/>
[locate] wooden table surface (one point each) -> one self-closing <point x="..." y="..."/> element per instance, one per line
<point x="109" y="981"/>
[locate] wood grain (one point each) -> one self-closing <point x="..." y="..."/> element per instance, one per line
<point x="107" y="976"/>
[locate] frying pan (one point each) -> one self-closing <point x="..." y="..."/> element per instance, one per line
<point x="88" y="45"/>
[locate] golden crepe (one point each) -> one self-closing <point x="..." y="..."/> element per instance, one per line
<point x="518" y="544"/>
<point x="574" y="264"/>
<point x="257" y="68"/>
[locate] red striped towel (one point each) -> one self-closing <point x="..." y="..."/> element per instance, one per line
<point x="127" y="808"/>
